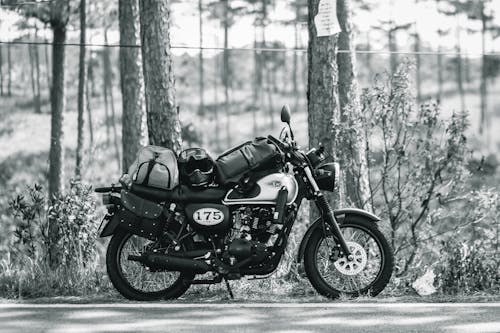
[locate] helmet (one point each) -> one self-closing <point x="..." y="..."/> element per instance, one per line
<point x="196" y="167"/>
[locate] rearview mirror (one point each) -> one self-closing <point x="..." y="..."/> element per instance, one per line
<point x="285" y="114"/>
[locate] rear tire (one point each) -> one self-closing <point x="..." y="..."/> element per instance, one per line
<point x="114" y="264"/>
<point x="335" y="277"/>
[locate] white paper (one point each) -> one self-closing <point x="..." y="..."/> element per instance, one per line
<point x="326" y="21"/>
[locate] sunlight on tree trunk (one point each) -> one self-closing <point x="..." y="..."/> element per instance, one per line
<point x="323" y="112"/>
<point x="134" y="122"/>
<point x="162" y="113"/>
<point x="81" y="93"/>
<point x="350" y="142"/>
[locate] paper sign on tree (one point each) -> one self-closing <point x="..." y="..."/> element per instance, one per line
<point x="326" y="20"/>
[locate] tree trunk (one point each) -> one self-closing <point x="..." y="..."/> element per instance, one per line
<point x="81" y="93"/>
<point x="257" y="79"/>
<point x="108" y="83"/>
<point x="105" y="96"/>
<point x="9" y="70"/>
<point x="162" y="112"/>
<point x="418" y="65"/>
<point x="200" y="56"/>
<point x="57" y="100"/>
<point x="323" y="113"/>
<point x="36" y="54"/>
<point x="482" y="86"/>
<point x="134" y="122"/>
<point x="393" y="48"/>
<point x="216" y="103"/>
<point x="89" y="111"/>
<point x="351" y="141"/>
<point x="1" y="70"/>
<point x="47" y="64"/>
<point x="226" y="72"/>
<point x="295" y="69"/>
<point x="36" y="109"/>
<point x="459" y="74"/>
<point x="440" y="73"/>
<point x="369" y="56"/>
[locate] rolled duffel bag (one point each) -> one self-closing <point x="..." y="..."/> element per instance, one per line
<point x="239" y="161"/>
<point x="156" y="167"/>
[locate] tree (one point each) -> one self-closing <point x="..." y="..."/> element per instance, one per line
<point x="81" y="92"/>
<point x="441" y="33"/>
<point x="109" y="101"/>
<point x="201" y="76"/>
<point x="391" y="28"/>
<point x="456" y="10"/>
<point x="9" y="70"/>
<point x="134" y="122"/>
<point x="1" y="70"/>
<point x="323" y="113"/>
<point x="161" y="108"/>
<point x="350" y="142"/>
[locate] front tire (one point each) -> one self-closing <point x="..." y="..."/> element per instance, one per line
<point x="132" y="279"/>
<point x="333" y="275"/>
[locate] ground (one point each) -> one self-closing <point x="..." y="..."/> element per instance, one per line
<point x="251" y="317"/>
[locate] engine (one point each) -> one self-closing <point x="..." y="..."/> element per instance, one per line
<point x="256" y="224"/>
<point x="253" y="232"/>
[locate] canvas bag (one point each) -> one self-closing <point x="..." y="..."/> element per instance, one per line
<point x="156" y="167"/>
<point x="235" y="163"/>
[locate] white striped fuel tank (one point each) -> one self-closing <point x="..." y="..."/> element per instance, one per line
<point x="265" y="191"/>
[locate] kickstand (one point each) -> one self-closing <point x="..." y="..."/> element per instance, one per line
<point x="229" y="288"/>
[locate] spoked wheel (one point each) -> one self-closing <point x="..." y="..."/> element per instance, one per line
<point x="332" y="274"/>
<point x="135" y="281"/>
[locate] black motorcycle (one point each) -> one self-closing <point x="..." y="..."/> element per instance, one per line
<point x="232" y="217"/>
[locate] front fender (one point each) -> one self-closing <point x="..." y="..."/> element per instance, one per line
<point x="340" y="215"/>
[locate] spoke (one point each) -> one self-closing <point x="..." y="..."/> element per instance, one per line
<point x="359" y="281"/>
<point x="137" y="275"/>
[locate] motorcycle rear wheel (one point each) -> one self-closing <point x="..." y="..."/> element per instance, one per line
<point x="332" y="275"/>
<point x="133" y="280"/>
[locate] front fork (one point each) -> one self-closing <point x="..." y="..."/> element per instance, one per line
<point x="327" y="213"/>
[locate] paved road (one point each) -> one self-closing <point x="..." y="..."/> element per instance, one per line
<point x="237" y="317"/>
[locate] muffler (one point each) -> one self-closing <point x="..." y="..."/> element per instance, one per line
<point x="171" y="263"/>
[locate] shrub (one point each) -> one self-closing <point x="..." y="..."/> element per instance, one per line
<point x="26" y="271"/>
<point x="415" y="159"/>
<point x="467" y="269"/>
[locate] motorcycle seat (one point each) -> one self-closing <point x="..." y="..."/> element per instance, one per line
<point x="181" y="193"/>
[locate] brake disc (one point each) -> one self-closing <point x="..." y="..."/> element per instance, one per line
<point x="355" y="266"/>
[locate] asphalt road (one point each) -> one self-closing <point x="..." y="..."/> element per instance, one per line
<point x="237" y="317"/>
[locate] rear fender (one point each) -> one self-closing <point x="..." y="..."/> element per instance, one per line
<point x="110" y="222"/>
<point x="340" y="216"/>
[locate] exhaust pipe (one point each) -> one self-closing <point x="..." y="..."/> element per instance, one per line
<point x="172" y="263"/>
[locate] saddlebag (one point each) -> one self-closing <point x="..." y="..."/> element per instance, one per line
<point x="139" y="216"/>
<point x="155" y="167"/>
<point x="239" y="161"/>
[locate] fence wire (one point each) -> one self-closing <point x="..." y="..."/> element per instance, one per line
<point x="258" y="49"/>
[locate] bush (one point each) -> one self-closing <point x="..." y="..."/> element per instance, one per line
<point x="27" y="270"/>
<point x="467" y="269"/>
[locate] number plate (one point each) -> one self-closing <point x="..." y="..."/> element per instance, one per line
<point x="208" y="216"/>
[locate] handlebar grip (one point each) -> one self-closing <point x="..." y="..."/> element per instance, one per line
<point x="281" y="145"/>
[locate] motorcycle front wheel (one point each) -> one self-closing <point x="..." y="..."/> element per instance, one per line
<point x="135" y="281"/>
<point x="332" y="275"/>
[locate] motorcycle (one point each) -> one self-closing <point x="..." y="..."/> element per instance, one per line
<point x="164" y="241"/>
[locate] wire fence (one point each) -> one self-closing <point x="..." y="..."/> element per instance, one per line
<point x="259" y="49"/>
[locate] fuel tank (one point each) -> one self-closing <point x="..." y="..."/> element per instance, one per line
<point x="265" y="191"/>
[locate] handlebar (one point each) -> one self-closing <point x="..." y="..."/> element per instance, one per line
<point x="283" y="146"/>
